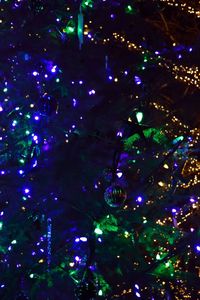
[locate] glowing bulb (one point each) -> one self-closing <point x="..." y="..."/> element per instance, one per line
<point x="98" y="231"/>
<point x="139" y="116"/>
<point x="1" y="225"/>
<point x="198" y="248"/>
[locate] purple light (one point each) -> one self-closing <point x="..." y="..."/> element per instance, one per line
<point x="42" y="250"/>
<point x="137" y="294"/>
<point x="173" y="210"/>
<point x="89" y="35"/>
<point x="83" y="239"/>
<point x="74" y="102"/>
<point x="35" y="73"/>
<point x="77" y="240"/>
<point x="36" y="118"/>
<point x="80" y="82"/>
<point x="21" y="172"/>
<point x="192" y="200"/>
<point x="35" y="137"/>
<point x="110" y="78"/>
<point x="198" y="248"/>
<point x="119" y="133"/>
<point x="119" y="173"/>
<point x="53" y="69"/>
<point x="1" y="108"/>
<point x="2" y="213"/>
<point x="137" y="286"/>
<point x="2" y="172"/>
<point x="137" y="80"/>
<point x="77" y="258"/>
<point x="34" y="164"/>
<point x="190" y="49"/>
<point x="92" y="92"/>
<point x="26" y="191"/>
<point x="139" y="199"/>
<point x="33" y="253"/>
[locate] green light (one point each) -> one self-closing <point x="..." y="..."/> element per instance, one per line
<point x="145" y="59"/>
<point x="167" y="264"/>
<point x="57" y="79"/>
<point x="27" y="132"/>
<point x="14" y="242"/>
<point x="24" y="198"/>
<point x="28" y="116"/>
<point x="87" y="3"/>
<point x="70" y="29"/>
<point x="178" y="139"/>
<point x="98" y="231"/>
<point x="129" y="9"/>
<point x="100" y="293"/>
<point x="22" y="161"/>
<point x="1" y="225"/>
<point x="139" y="116"/>
<point x="31" y="276"/>
<point x="158" y="256"/>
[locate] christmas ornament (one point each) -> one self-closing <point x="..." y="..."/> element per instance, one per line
<point x="115" y="196"/>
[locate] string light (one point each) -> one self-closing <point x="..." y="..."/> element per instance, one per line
<point x="191" y="7"/>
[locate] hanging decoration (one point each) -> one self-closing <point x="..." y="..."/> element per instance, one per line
<point x="115" y="195"/>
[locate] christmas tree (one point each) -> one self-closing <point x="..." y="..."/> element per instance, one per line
<point x="100" y="165"/>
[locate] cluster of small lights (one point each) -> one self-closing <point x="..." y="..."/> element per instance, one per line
<point x="185" y="6"/>
<point x="191" y="166"/>
<point x="189" y="75"/>
<point x="191" y="210"/>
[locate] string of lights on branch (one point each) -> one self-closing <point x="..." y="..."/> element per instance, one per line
<point x="188" y="75"/>
<point x="191" y="7"/>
